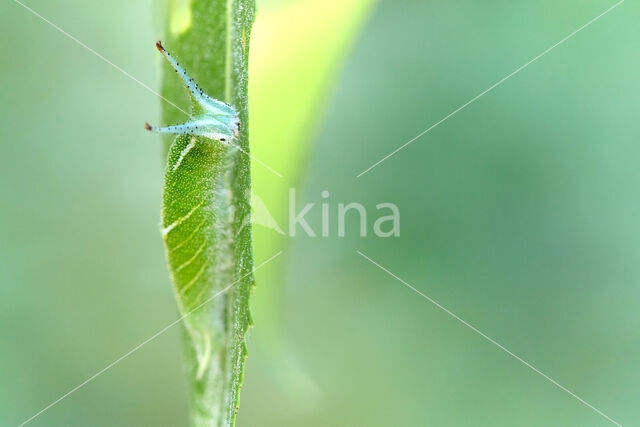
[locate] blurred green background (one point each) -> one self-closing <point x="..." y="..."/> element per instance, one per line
<point x="519" y="214"/>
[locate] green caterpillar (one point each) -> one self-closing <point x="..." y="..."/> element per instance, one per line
<point x="200" y="228"/>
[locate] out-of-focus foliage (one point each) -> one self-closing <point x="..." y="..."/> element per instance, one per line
<point x="519" y="214"/>
<point x="297" y="49"/>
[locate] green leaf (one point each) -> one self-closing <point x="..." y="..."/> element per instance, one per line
<point x="291" y="79"/>
<point x="205" y="209"/>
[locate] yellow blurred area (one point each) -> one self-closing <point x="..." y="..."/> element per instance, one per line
<point x="296" y="50"/>
<point x="179" y="16"/>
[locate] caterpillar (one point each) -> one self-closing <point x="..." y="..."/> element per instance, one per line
<point x="200" y="242"/>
